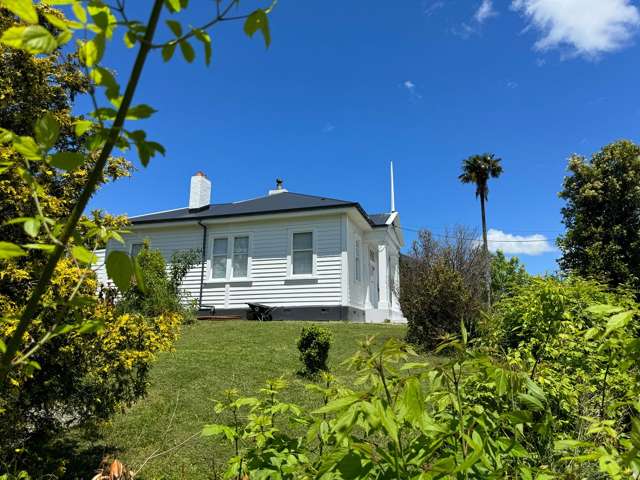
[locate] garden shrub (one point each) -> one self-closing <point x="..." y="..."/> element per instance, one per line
<point x="81" y="377"/>
<point x="470" y="415"/>
<point x="443" y="282"/>
<point x="314" y="344"/>
<point x="161" y="292"/>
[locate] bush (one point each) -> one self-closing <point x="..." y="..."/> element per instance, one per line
<point x="314" y="344"/>
<point x="161" y="291"/>
<point x="443" y="283"/>
<point x="85" y="375"/>
<point x="474" y="414"/>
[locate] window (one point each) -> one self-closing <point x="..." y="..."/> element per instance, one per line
<point x="136" y="248"/>
<point x="219" y="258"/>
<point x="302" y="253"/>
<point x="240" y="264"/>
<point x="357" y="256"/>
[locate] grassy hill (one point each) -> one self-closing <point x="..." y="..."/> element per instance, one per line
<point x="209" y="358"/>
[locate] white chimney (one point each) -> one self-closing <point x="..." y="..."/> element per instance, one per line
<point x="200" y="192"/>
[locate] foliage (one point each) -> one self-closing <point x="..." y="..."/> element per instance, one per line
<point x="314" y="344"/>
<point x="87" y="373"/>
<point x="506" y="275"/>
<point x="442" y="284"/>
<point x="157" y="290"/>
<point x="602" y="215"/>
<point x="37" y="148"/>
<point x="473" y="415"/>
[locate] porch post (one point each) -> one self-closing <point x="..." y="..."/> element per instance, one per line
<point x="383" y="277"/>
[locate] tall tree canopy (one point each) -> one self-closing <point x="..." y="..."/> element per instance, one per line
<point x="602" y="215"/>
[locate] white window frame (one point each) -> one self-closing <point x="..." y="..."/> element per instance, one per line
<point x="357" y="261"/>
<point x="132" y="245"/>
<point x="232" y="240"/>
<point x="314" y="255"/>
<point x="229" y="274"/>
<point x="211" y="255"/>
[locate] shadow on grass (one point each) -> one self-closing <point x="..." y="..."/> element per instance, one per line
<point x="73" y="455"/>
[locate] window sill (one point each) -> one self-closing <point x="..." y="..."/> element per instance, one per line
<point x="221" y="282"/>
<point x="301" y="280"/>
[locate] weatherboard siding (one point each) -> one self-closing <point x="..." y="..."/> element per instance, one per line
<point x="268" y="280"/>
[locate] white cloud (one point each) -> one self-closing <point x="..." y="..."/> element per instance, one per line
<point x="585" y="27"/>
<point x="511" y="84"/>
<point x="328" y="127"/>
<point x="536" y="244"/>
<point x="411" y="87"/>
<point x="431" y="8"/>
<point x="485" y="11"/>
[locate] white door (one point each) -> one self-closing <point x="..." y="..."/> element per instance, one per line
<point x="374" y="290"/>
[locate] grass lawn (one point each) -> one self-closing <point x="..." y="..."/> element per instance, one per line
<point x="209" y="358"/>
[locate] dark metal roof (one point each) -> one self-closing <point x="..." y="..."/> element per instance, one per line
<point x="278" y="203"/>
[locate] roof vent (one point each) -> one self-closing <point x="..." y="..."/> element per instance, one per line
<point x="279" y="188"/>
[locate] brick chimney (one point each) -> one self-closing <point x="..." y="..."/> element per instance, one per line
<point x="200" y="192"/>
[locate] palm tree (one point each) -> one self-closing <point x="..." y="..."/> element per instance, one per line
<point x="478" y="169"/>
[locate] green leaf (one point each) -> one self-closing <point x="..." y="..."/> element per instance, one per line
<point x="119" y="269"/>
<point x="103" y="77"/>
<point x="82" y="126"/>
<point x="137" y="271"/>
<point x="66" y="160"/>
<point x="91" y="52"/>
<point x="47" y="130"/>
<point x="10" y="250"/>
<point x="33" y="39"/>
<point x="31" y="227"/>
<point x="338" y="404"/>
<point x="603" y="309"/>
<point x="45" y="247"/>
<point x="28" y="147"/>
<point x="79" y="12"/>
<point x="206" y="42"/>
<point x="531" y="400"/>
<point x="617" y="321"/>
<point x="187" y="51"/>
<point x="173" y="5"/>
<point x="569" y="444"/>
<point x="6" y="136"/>
<point x="175" y="27"/>
<point x="139" y="112"/>
<point x="83" y="255"/>
<point x="23" y="9"/>
<point x="258" y="20"/>
<point x="167" y="51"/>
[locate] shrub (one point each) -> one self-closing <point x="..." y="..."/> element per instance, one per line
<point x="443" y="283"/>
<point x="470" y="415"/>
<point x="161" y="293"/>
<point x="85" y="375"/>
<point x="314" y="344"/>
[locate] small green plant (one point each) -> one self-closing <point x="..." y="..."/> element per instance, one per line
<point x="314" y="344"/>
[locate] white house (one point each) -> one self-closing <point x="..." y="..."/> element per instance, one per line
<point x="312" y="257"/>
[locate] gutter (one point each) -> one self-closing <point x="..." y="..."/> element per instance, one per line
<point x="204" y="258"/>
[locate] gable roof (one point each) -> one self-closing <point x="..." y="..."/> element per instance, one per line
<point x="284" y="202"/>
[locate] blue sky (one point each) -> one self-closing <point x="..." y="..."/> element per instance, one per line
<point x="347" y="86"/>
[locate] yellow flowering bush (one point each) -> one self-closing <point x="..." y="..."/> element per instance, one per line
<point x="84" y="375"/>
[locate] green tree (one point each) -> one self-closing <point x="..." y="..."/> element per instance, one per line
<point x="602" y="215"/>
<point x="40" y="34"/>
<point x="478" y="169"/>
<point x="506" y="275"/>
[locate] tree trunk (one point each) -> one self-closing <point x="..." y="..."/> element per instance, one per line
<point x="486" y="248"/>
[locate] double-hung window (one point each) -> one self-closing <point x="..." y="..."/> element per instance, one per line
<point x="240" y="259"/>
<point x="230" y="258"/>
<point x="219" y="258"/>
<point x="302" y="253"/>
